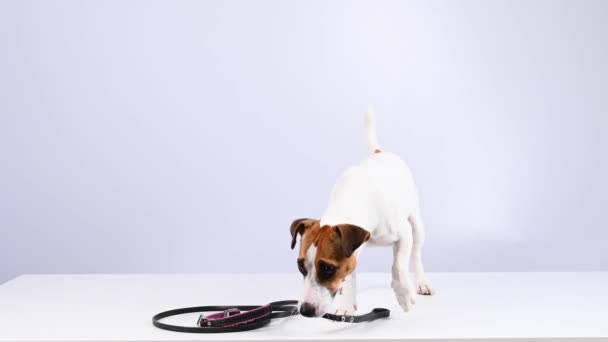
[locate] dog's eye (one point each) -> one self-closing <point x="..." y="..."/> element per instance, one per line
<point x="326" y="271"/>
<point x="301" y="267"/>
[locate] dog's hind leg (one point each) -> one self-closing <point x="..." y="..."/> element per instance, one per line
<point x="418" y="232"/>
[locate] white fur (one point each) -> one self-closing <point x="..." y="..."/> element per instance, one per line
<point x="380" y="196"/>
<point x="313" y="292"/>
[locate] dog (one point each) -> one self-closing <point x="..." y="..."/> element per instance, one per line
<point x="374" y="203"/>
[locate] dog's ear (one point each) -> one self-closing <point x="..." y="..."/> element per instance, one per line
<point x="299" y="226"/>
<point x="352" y="237"/>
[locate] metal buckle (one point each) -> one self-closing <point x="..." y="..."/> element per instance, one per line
<point x="230" y="312"/>
<point x="203" y="321"/>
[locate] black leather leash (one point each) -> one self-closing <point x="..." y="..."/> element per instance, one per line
<point x="368" y="317"/>
<point x="233" y="318"/>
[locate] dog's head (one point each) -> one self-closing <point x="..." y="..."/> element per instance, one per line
<point x="326" y="258"/>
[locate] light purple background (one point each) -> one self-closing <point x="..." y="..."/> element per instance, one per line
<point x="185" y="136"/>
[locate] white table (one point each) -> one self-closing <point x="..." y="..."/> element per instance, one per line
<point x="481" y="306"/>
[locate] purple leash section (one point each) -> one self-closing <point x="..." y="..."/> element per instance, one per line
<point x="234" y="318"/>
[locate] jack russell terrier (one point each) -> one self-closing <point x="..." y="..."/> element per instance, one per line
<point x="374" y="203"/>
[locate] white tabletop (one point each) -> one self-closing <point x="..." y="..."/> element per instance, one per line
<point x="467" y="306"/>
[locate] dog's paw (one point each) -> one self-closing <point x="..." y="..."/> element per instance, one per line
<point x="404" y="293"/>
<point x="406" y="300"/>
<point x="343" y="305"/>
<point x="405" y="296"/>
<point x="423" y="288"/>
<point x="343" y="309"/>
<point x="345" y="312"/>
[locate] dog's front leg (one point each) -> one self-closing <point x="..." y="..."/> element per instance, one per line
<point x="401" y="283"/>
<point x="345" y="301"/>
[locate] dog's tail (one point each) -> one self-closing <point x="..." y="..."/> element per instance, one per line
<point x="370" y="130"/>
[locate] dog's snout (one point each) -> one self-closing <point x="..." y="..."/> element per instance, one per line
<point x="307" y="309"/>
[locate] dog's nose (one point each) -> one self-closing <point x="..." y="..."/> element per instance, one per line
<point x="307" y="309"/>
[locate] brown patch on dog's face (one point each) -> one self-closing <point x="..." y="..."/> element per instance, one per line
<point x="332" y="264"/>
<point x="333" y="259"/>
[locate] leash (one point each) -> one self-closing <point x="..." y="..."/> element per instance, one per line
<point x="233" y="318"/>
